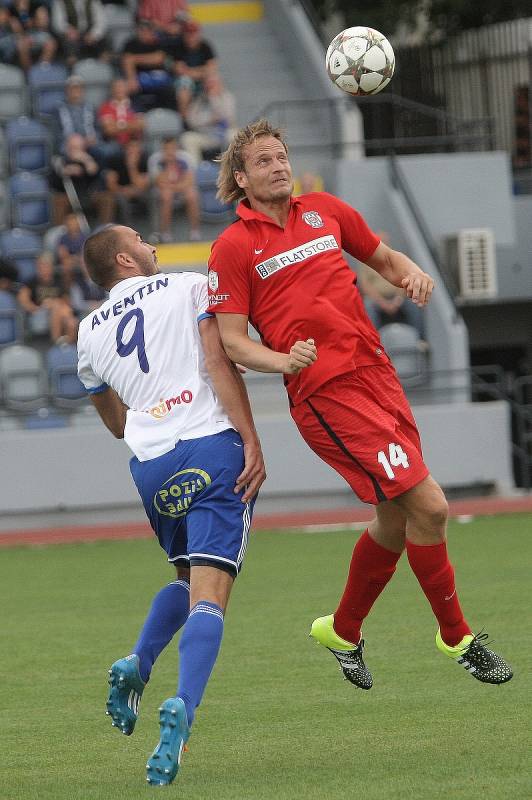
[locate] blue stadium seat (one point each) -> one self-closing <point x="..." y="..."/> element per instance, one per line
<point x="10" y="319"/>
<point x="212" y="210"/>
<point x="66" y="389"/>
<point x="44" y="419"/>
<point x="12" y="92"/>
<point x="47" y="85"/>
<point x="30" y="201"/>
<point x="28" y="144"/>
<point x="22" y="247"/>
<point x="22" y="378"/>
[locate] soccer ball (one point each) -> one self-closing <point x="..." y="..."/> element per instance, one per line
<point x="360" y="61"/>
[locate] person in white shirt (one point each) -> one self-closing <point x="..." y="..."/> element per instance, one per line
<point x="152" y="361"/>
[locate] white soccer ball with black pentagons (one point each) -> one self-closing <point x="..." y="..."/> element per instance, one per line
<point x="360" y="61"/>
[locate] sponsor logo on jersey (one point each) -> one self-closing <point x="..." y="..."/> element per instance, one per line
<point x="165" y="406"/>
<point x="217" y="298"/>
<point x="296" y="255"/>
<point x="213" y="280"/>
<point x="313" y="219"/>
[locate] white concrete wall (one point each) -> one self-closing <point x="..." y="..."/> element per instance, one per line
<point x="86" y="467"/>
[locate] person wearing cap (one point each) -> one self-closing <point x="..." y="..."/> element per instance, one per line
<point x="75" y="115"/>
<point x="194" y="59"/>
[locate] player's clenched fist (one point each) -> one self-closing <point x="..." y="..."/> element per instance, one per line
<point x="418" y="286"/>
<point x="301" y="355"/>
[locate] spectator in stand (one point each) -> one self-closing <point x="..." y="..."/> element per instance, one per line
<point x="84" y="172"/>
<point x="8" y="276"/>
<point x="118" y="122"/>
<point x="163" y="13"/>
<point x="127" y="178"/>
<point x="210" y="119"/>
<point x="36" y="42"/>
<point x="10" y="28"/>
<point x="70" y="246"/>
<point x="46" y="301"/>
<point x="194" y="60"/>
<point x="81" y="26"/>
<point x="172" y="172"/>
<point x="384" y="302"/>
<point x="144" y="65"/>
<point x="75" y="115"/>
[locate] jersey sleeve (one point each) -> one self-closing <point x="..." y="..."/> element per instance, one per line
<point x="357" y="237"/>
<point x="92" y="382"/>
<point x="200" y="298"/>
<point x="229" y="283"/>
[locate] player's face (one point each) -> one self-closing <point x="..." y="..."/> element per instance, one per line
<point x="143" y="253"/>
<point x="267" y="174"/>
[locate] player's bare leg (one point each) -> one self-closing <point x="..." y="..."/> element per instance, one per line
<point x="210" y="588"/>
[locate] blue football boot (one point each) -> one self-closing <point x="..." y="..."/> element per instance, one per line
<point x="163" y="764"/>
<point x="125" y="691"/>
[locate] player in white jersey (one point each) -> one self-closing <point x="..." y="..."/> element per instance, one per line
<point x="152" y="361"/>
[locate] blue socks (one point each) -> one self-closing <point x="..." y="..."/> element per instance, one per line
<point x="168" y="613"/>
<point x="198" y="650"/>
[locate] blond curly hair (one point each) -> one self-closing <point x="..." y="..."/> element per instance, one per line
<point x="233" y="159"/>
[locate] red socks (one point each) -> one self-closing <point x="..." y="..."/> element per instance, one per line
<point x="432" y="568"/>
<point x="371" y="568"/>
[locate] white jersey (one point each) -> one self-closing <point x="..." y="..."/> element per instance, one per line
<point x="144" y="343"/>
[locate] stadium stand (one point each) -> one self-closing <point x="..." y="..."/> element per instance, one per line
<point x="211" y="209"/>
<point x="47" y="86"/>
<point x="29" y="145"/>
<point x="97" y="76"/>
<point x="65" y="387"/>
<point x="12" y="92"/>
<point x="22" y="247"/>
<point x="10" y="320"/>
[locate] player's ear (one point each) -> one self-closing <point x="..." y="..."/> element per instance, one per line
<point x="240" y="178"/>
<point x="124" y="259"/>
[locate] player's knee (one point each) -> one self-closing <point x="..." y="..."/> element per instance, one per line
<point x="436" y="513"/>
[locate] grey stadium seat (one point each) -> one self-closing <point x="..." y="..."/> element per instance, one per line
<point x="97" y="76"/>
<point x="22" y="378"/>
<point x="161" y="123"/>
<point x="120" y="25"/>
<point x="407" y="351"/>
<point x="12" y="92"/>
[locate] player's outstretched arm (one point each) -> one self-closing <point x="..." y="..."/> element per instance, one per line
<point x="112" y="411"/>
<point x="254" y="355"/>
<point x="233" y="396"/>
<point x="401" y="271"/>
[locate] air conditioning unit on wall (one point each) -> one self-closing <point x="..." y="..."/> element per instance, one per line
<point x="471" y="259"/>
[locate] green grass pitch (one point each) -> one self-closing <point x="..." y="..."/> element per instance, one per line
<point x="277" y="721"/>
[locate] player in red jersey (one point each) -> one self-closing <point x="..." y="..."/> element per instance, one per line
<point x="280" y="266"/>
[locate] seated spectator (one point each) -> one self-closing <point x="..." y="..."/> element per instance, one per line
<point x="8" y="276"/>
<point x="127" y="177"/>
<point x="78" y="166"/>
<point x="46" y="301"/>
<point x="118" y="121"/>
<point x="10" y="28"/>
<point x="70" y="246"/>
<point x="81" y="26"/>
<point x="36" y="43"/>
<point x="144" y="65"/>
<point x="172" y="172"/>
<point x="194" y="59"/>
<point x="85" y="296"/>
<point x="75" y="115"/>
<point x="210" y="118"/>
<point x="162" y="13"/>
<point x="386" y="303"/>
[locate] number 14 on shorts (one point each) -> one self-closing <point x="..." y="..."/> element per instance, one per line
<point x="396" y="457"/>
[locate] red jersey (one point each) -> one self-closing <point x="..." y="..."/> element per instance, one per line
<point x="122" y="114"/>
<point x="294" y="283"/>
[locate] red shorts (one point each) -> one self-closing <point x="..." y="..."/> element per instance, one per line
<point x="361" y="424"/>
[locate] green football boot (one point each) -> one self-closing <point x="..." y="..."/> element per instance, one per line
<point x="348" y="655"/>
<point x="482" y="663"/>
<point x="125" y="691"/>
<point x="164" y="762"/>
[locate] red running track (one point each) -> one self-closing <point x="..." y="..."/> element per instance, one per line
<point x="479" y="506"/>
